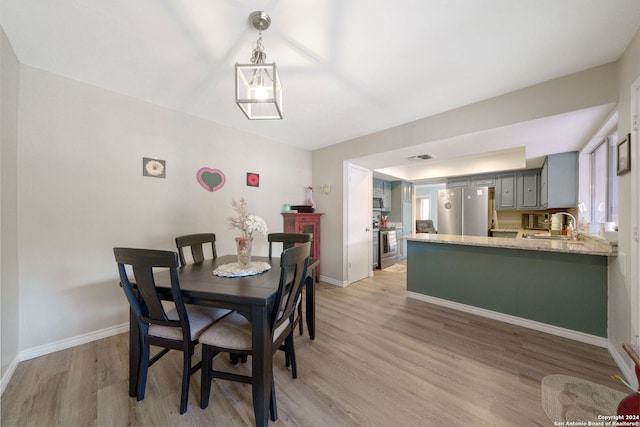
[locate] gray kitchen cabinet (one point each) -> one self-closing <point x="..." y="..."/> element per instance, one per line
<point x="407" y="191"/>
<point x="559" y="181"/>
<point x="506" y="191"/>
<point x="483" y="181"/>
<point x="401" y="211"/>
<point x="528" y="190"/>
<point x="382" y="189"/>
<point x="401" y="192"/>
<point x="378" y="189"/>
<point x="386" y="195"/>
<point x="463" y="181"/>
<point x="552" y="187"/>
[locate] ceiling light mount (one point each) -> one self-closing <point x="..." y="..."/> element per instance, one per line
<point x="258" y="86"/>
<point x="260" y="20"/>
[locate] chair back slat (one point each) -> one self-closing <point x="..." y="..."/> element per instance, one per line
<point x="293" y="264"/>
<point x="196" y="243"/>
<point x="288" y="240"/>
<point x="143" y="295"/>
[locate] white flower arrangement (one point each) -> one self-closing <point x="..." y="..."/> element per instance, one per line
<point x="245" y="221"/>
<point x="257" y="224"/>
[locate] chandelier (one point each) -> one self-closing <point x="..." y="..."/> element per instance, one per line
<point x="258" y="87"/>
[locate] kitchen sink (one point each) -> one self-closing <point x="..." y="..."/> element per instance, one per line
<point x="554" y="237"/>
<point x="544" y="237"/>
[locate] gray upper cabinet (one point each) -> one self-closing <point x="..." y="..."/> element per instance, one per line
<point x="458" y="182"/>
<point x="506" y="191"/>
<point x="386" y="195"/>
<point x="472" y="181"/>
<point x="555" y="186"/>
<point x="559" y="181"/>
<point x="401" y="192"/>
<point x="377" y="188"/>
<point x="528" y="190"/>
<point x="407" y="191"/>
<point x="382" y="189"/>
<point x="401" y="211"/>
<point x="483" y="181"/>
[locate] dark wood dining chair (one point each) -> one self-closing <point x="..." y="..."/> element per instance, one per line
<point x="197" y="244"/>
<point x="233" y="333"/>
<point x="289" y="240"/>
<point x="175" y="329"/>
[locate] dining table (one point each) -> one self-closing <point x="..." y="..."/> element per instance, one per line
<point x="251" y="295"/>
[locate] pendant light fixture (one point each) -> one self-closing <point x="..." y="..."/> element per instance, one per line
<point x="258" y="87"/>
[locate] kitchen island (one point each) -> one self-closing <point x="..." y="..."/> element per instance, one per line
<point x="559" y="286"/>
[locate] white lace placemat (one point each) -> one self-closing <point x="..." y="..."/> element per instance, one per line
<point x="233" y="269"/>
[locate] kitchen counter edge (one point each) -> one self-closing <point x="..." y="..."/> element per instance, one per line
<point x="584" y="245"/>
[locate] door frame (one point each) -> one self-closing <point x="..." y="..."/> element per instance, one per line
<point x="634" y="278"/>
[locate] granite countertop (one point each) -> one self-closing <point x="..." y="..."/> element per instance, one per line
<point x="586" y="244"/>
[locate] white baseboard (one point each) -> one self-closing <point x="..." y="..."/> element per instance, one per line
<point x="620" y="358"/>
<point x="333" y="282"/>
<point x="7" y="375"/>
<point x="531" y="324"/>
<point x="73" y="341"/>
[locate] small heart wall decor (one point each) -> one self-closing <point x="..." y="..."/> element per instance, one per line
<point x="210" y="179"/>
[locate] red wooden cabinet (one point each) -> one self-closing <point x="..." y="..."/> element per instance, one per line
<point x="305" y="223"/>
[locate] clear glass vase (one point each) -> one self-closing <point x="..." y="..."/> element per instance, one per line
<point x="310" y="198"/>
<point x="243" y="246"/>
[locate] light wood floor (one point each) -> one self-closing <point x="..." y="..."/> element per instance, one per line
<point x="379" y="359"/>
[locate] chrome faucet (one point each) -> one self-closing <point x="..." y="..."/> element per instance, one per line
<point x="574" y="233"/>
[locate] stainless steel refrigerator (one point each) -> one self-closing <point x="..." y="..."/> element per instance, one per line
<point x="464" y="210"/>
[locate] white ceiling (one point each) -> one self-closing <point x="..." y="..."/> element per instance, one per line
<point x="349" y="68"/>
<point x="518" y="146"/>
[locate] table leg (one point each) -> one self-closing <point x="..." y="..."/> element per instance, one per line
<point x="310" y="294"/>
<point x="261" y="364"/>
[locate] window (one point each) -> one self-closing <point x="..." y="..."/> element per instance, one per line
<point x="604" y="182"/>
<point x="425" y="208"/>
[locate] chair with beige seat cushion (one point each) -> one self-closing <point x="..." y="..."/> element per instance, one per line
<point x="176" y="328"/>
<point x="196" y="242"/>
<point x="233" y="333"/>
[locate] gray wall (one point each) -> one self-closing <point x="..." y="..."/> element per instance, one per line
<point x="9" y="295"/>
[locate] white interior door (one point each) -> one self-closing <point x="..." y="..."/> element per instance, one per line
<point x="359" y="223"/>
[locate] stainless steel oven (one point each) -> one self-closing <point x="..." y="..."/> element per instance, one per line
<point x="387" y="247"/>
